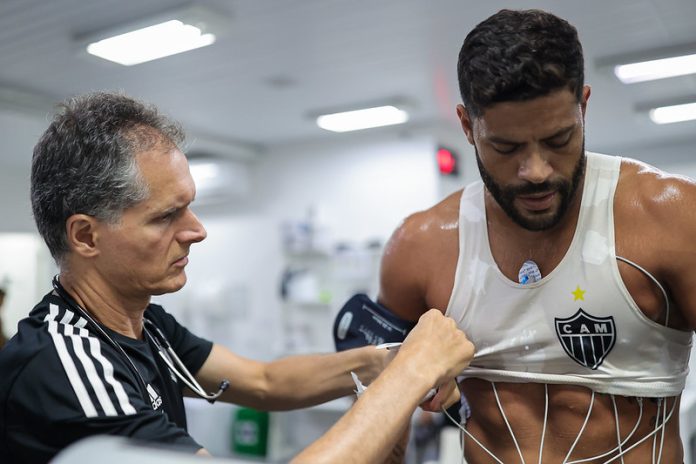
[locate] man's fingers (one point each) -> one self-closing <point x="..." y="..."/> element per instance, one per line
<point x="446" y="396"/>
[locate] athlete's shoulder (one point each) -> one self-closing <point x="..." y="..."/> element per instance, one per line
<point x="427" y="226"/>
<point x="414" y="256"/>
<point x="646" y="190"/>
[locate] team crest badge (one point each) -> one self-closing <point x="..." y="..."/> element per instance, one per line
<point x="586" y="339"/>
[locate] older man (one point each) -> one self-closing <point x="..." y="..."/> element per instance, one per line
<point x="111" y="193"/>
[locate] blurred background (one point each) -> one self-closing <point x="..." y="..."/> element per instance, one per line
<point x="296" y="214"/>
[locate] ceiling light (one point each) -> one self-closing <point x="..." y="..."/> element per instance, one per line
<point x="362" y="119"/>
<point x="674" y="113"/>
<point x="656" y="69"/>
<point x="148" y="39"/>
<point x="151" y="43"/>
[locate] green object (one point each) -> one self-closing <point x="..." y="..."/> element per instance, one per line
<point x="250" y="432"/>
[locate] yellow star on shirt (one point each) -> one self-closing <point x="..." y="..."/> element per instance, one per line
<point x="578" y="294"/>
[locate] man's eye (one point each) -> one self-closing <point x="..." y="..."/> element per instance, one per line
<point x="505" y="149"/>
<point x="558" y="142"/>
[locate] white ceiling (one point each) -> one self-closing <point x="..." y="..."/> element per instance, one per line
<point x="280" y="61"/>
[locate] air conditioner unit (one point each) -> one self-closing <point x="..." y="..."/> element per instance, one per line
<point x="219" y="179"/>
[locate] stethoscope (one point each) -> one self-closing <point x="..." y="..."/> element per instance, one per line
<point x="155" y="335"/>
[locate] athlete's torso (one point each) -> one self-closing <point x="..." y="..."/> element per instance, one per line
<point x="525" y="402"/>
<point x="577" y="325"/>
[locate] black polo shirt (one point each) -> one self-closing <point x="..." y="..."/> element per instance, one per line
<point x="61" y="381"/>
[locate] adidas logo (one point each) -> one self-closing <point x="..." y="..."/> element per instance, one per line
<point x="155" y="398"/>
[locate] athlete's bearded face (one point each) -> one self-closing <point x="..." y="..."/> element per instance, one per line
<point x="531" y="155"/>
<point x="505" y="195"/>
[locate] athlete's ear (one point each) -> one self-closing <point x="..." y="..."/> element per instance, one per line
<point x="466" y="122"/>
<point x="586" y="91"/>
<point x="81" y="232"/>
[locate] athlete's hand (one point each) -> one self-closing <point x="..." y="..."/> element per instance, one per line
<point x="447" y="394"/>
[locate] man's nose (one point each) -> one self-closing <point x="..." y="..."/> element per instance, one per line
<point x="193" y="231"/>
<point x="535" y="167"/>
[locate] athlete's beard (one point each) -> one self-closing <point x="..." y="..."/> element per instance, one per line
<point x="505" y="196"/>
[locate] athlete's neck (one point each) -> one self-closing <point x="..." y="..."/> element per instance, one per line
<point x="117" y="311"/>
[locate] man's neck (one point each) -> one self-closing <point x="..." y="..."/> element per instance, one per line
<point x="115" y="310"/>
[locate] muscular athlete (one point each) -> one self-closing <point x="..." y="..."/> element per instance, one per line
<point x="589" y="373"/>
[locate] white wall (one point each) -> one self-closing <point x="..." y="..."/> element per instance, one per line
<point x="26" y="269"/>
<point x="360" y="188"/>
<point x="25" y="259"/>
<point x="19" y="133"/>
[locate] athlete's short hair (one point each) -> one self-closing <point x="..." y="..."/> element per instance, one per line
<point x="85" y="161"/>
<point x="518" y="55"/>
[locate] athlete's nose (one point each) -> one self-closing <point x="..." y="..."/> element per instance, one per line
<point x="535" y="167"/>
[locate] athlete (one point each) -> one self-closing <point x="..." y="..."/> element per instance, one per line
<point x="111" y="195"/>
<point x="571" y="272"/>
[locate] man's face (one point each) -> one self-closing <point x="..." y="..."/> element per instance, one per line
<point x="146" y="252"/>
<point x="531" y="156"/>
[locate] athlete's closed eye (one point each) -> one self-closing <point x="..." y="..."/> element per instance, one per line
<point x="505" y="148"/>
<point x="559" y="141"/>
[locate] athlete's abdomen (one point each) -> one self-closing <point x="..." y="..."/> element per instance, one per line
<point x="571" y="409"/>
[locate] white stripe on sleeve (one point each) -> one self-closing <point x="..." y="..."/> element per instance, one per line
<point x="90" y="370"/>
<point x="81" y="323"/>
<point x="123" y="401"/>
<point x="68" y="364"/>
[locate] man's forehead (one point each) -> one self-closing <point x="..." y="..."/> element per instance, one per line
<point x="542" y="117"/>
<point x="166" y="175"/>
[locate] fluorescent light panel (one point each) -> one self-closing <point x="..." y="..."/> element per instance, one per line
<point x="656" y="69"/>
<point x="150" y="43"/>
<point x="362" y="119"/>
<point x="674" y="113"/>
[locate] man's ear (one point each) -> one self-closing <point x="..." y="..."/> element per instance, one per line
<point x="586" y="91"/>
<point x="466" y="122"/>
<point x="82" y="232"/>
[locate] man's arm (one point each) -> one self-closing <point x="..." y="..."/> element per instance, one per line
<point x="292" y="382"/>
<point x="403" y="279"/>
<point x="673" y="204"/>
<point x="420" y="259"/>
<point x="434" y="353"/>
<point x="663" y="205"/>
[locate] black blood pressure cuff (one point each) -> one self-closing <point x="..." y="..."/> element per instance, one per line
<point x="362" y="322"/>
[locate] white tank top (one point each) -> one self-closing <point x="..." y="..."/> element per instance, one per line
<point x="577" y="325"/>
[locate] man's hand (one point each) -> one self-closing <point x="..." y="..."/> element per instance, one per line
<point x="436" y="348"/>
<point x="434" y="353"/>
